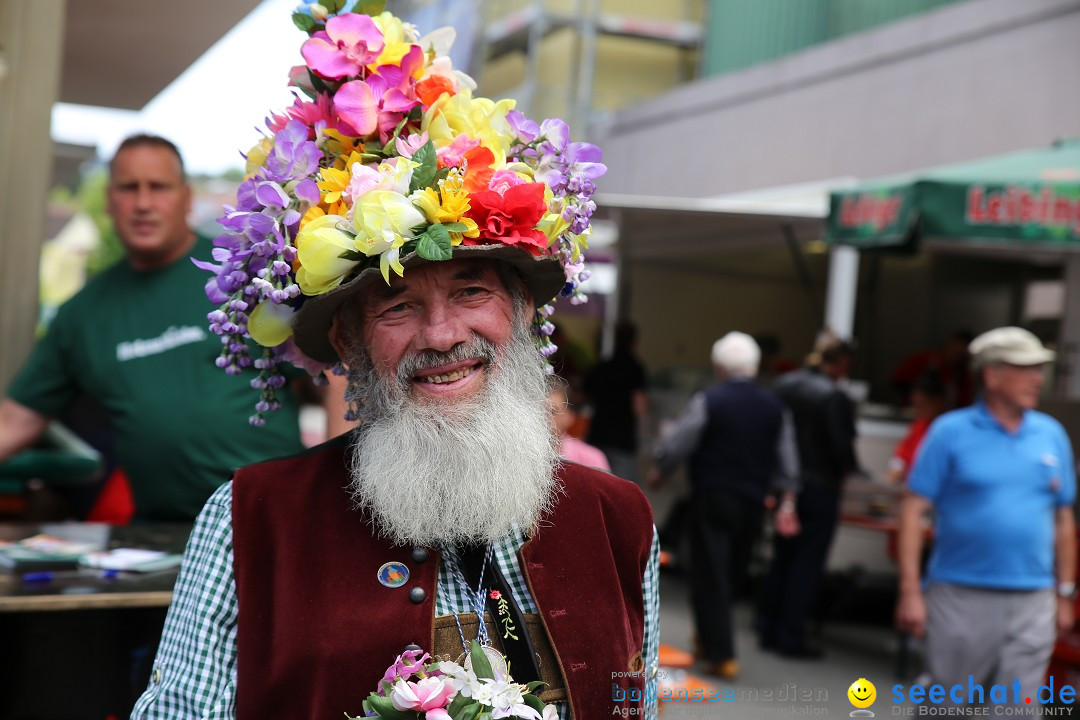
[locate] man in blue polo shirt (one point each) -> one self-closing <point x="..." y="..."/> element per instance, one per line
<point x="1001" y="480"/>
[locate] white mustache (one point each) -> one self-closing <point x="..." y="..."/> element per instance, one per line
<point x="456" y="471"/>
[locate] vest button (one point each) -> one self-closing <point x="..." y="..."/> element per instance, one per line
<point x="417" y="595"/>
<point x="419" y="554"/>
<point x="412" y="647"/>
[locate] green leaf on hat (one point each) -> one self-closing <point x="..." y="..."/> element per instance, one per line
<point x="429" y="165"/>
<point x="480" y="664"/>
<point x="389" y="146"/>
<point x="354" y="255"/>
<point x="319" y="84"/>
<point x="534" y="702"/>
<point x="303" y="21"/>
<point x="458" y="704"/>
<point x="469" y="712"/>
<point x="455" y="226"/>
<point x="373" y="7"/>
<point x="385" y="708"/>
<point x="333" y="7"/>
<point x="435" y="245"/>
<point x="532" y="686"/>
<point x="440" y="175"/>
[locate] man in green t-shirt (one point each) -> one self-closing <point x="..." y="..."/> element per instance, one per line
<point x="136" y="339"/>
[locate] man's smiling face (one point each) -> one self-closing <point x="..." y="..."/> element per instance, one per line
<point x="435" y="308"/>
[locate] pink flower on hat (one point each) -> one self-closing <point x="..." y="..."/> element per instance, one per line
<point x="428" y="694"/>
<point x="349" y="43"/>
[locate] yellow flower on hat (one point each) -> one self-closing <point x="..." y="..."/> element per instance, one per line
<point x="257" y="155"/>
<point x="553" y="225"/>
<point x="319" y="246"/>
<point x="478" y="118"/>
<point x="448" y="205"/>
<point x="270" y="324"/>
<point x="313" y="212"/>
<point x="344" y="149"/>
<point x="397" y="41"/>
<point x="384" y="220"/>
<point x="332" y="184"/>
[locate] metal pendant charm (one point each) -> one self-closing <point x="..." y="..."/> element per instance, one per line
<point x="495" y="659"/>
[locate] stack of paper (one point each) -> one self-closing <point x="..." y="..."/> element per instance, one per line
<point x="131" y="560"/>
<point x="43" y="552"/>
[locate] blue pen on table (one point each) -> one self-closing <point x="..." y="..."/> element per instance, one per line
<point x="50" y="575"/>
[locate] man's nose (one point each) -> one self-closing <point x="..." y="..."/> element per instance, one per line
<point x="441" y="329"/>
<point x="143" y="197"/>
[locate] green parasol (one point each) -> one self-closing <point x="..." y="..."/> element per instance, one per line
<point x="1024" y="198"/>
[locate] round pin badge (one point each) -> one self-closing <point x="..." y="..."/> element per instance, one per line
<point x="393" y="574"/>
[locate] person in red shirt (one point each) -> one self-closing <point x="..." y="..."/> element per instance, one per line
<point x="951" y="363"/>
<point x="928" y="401"/>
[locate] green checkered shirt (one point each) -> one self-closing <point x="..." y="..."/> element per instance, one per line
<point x="194" y="674"/>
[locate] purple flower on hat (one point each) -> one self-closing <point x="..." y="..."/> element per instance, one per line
<point x="270" y="194"/>
<point x="583" y="162"/>
<point x="407" y="664"/>
<point x="525" y="130"/>
<point x="307" y="191"/>
<point x="294" y="156"/>
<point x="556" y="134"/>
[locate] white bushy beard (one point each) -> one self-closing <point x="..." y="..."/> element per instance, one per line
<point x="434" y="472"/>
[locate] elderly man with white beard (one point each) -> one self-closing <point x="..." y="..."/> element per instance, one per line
<point x="398" y="229"/>
<point x="451" y="480"/>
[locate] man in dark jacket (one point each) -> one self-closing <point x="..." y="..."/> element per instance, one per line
<point x="824" y="420"/>
<point x="616" y="389"/>
<point x="729" y="436"/>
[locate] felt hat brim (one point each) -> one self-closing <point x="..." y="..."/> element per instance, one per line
<point x="543" y="276"/>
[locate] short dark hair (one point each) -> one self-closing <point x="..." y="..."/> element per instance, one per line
<point x="625" y="336"/>
<point x="515" y="285"/>
<point x="929" y="383"/>
<point x="836" y="350"/>
<point x="147" y="140"/>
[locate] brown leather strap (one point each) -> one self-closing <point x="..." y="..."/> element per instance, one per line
<point x="447" y="646"/>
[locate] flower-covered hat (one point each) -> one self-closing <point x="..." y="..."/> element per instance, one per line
<point x="387" y="160"/>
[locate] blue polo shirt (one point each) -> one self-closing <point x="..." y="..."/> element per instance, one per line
<point x="994" y="494"/>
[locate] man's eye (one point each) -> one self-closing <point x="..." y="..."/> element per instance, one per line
<point x="474" y="291"/>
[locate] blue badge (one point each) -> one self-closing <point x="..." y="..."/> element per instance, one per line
<point x="393" y="574"/>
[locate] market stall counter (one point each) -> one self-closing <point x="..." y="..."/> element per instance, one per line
<point x="80" y="637"/>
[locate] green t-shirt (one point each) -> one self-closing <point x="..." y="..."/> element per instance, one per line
<point x="139" y="343"/>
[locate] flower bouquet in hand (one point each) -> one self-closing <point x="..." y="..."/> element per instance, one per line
<point x="413" y="690"/>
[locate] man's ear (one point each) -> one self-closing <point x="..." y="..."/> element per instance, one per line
<point x="528" y="308"/>
<point x="338" y="336"/>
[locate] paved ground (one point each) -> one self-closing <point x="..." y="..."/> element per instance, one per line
<point x="773" y="687"/>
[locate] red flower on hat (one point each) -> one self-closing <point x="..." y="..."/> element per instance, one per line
<point x="510" y="218"/>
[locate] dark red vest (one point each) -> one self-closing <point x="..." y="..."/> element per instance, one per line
<point x="316" y="630"/>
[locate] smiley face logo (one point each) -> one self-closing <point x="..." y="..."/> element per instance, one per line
<point x="862" y="693"/>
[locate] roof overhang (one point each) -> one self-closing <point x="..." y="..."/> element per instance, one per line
<point x="652" y="226"/>
<point x="121" y="54"/>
